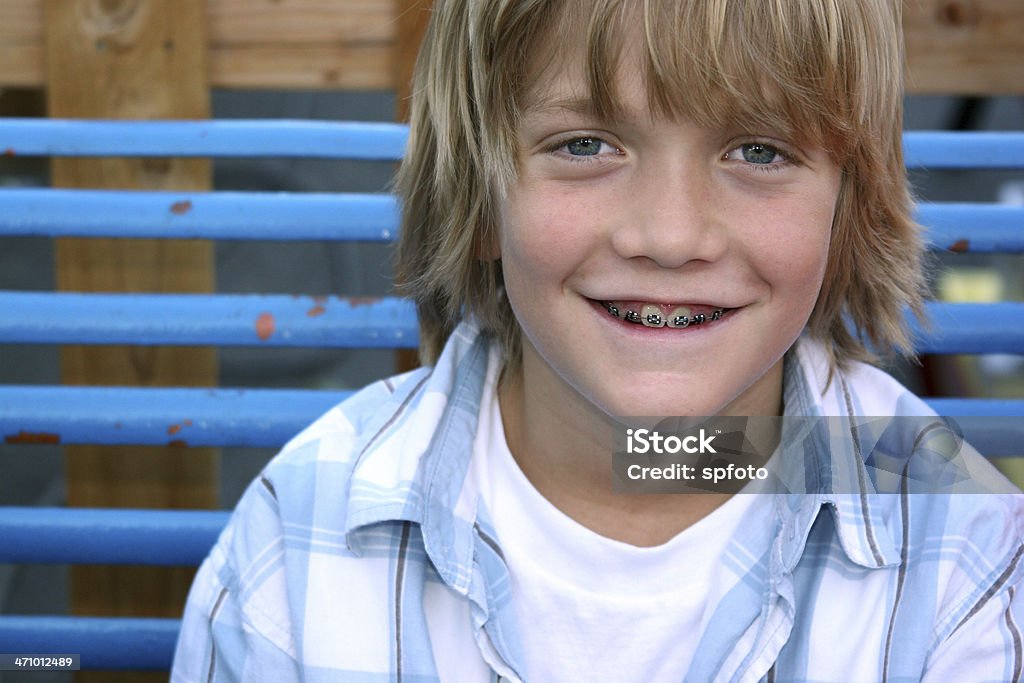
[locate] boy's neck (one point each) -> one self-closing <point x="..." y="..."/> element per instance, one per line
<point x="567" y="458"/>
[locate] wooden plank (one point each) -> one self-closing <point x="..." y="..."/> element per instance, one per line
<point x="335" y="67"/>
<point x="953" y="46"/>
<point x="132" y="59"/>
<point x="244" y="22"/>
<point x="301" y="22"/>
<point x="336" y="44"/>
<point x="412" y="20"/>
<point x="21" y="44"/>
<point x="969" y="47"/>
<point x="21" y="21"/>
<point x="21" y="64"/>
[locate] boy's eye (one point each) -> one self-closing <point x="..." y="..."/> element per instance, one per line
<point x="585" y="147"/>
<point x="756" y="153"/>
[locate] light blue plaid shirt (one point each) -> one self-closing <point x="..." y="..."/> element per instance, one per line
<point x="362" y="553"/>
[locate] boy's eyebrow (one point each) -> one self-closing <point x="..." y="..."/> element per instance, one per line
<point x="575" y="105"/>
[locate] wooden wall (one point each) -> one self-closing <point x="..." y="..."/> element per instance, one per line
<point x="953" y="46"/>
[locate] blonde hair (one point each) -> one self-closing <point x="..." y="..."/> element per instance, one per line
<point x="825" y="71"/>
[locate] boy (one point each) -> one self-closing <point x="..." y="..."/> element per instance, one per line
<point x="617" y="208"/>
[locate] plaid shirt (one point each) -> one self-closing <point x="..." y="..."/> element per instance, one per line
<point x="362" y="553"/>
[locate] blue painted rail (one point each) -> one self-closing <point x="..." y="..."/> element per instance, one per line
<point x="279" y="138"/>
<point x="223" y="320"/>
<point x="177" y="416"/>
<point x="117" y="644"/>
<point x="278" y="216"/>
<point x="102" y="536"/>
<point x="268" y="418"/>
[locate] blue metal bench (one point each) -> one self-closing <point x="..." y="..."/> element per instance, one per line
<point x="267" y="418"/>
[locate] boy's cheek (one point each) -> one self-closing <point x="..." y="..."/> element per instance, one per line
<point x="544" y="236"/>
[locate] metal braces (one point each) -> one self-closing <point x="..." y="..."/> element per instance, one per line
<point x="655" y="319"/>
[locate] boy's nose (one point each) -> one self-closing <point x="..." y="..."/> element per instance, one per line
<point x="671" y="219"/>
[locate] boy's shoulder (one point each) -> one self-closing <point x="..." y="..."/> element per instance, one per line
<point x="325" y="454"/>
<point x="950" y="487"/>
<point x="337" y="432"/>
<point x="371" y="446"/>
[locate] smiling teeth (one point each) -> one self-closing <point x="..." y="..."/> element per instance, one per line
<point x="651" y="315"/>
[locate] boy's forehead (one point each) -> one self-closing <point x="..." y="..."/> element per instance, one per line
<point x="616" y="80"/>
<point x="562" y="89"/>
<point x="559" y="81"/>
<point x="555" y="78"/>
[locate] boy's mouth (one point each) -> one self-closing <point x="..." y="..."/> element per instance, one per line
<point x="662" y="315"/>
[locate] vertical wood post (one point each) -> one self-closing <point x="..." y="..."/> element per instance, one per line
<point x="413" y="16"/>
<point x="132" y="59"/>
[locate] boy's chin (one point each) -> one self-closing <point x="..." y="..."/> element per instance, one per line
<point x="644" y="404"/>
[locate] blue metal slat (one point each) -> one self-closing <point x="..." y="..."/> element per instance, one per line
<point x="964" y="150"/>
<point x="971" y="328"/>
<point x="995" y="427"/>
<point x="212" y="138"/>
<point x="258" y="418"/>
<point x="108" y="536"/>
<point x="973" y="227"/>
<point x="104" y="643"/>
<point x="276" y="216"/>
<point x="198" y="319"/>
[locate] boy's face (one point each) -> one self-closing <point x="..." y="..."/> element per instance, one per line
<point x="659" y="217"/>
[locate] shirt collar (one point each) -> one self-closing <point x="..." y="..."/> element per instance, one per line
<point x="833" y="476"/>
<point x="413" y="458"/>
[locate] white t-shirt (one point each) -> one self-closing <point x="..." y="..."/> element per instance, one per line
<point x="590" y="608"/>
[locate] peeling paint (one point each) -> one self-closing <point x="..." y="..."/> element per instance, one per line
<point x="175" y="428"/>
<point x="265" y="325"/>
<point x="32" y="437"/>
<point x="179" y="208"/>
<point x="177" y="443"/>
<point x="960" y="246"/>
<point x="318" y="308"/>
<point x="362" y="300"/>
